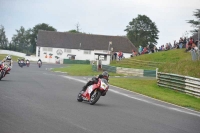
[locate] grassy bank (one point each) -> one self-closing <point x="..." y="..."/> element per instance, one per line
<point x="175" y="61"/>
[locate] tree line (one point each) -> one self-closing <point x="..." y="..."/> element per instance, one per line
<point x="141" y="31"/>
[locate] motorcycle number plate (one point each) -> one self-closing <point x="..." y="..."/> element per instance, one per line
<point x="103" y="85"/>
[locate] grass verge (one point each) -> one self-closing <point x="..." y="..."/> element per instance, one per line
<point x="14" y="58"/>
<point x="150" y="88"/>
<point x="81" y="70"/>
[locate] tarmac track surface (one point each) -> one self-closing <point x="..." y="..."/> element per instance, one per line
<point x="36" y="100"/>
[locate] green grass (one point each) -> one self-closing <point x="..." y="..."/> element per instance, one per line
<point x="81" y="70"/>
<point x="175" y="61"/>
<point x="150" y="88"/>
<point x="14" y="58"/>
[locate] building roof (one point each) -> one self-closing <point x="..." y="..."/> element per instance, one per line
<point x="70" y="40"/>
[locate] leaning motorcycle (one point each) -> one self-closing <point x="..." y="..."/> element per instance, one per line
<point x="2" y="71"/>
<point x="93" y="92"/>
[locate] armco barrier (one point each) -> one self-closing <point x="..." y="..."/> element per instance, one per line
<point x="69" y="61"/>
<point x="127" y="71"/>
<point x="141" y="63"/>
<point x="109" y="68"/>
<point x="130" y="71"/>
<point x="185" y="84"/>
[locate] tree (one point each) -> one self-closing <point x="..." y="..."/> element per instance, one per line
<point x="195" y="23"/>
<point x="73" y="31"/>
<point x="21" y="40"/>
<point x="33" y="35"/>
<point x="3" y="39"/>
<point x="142" y="31"/>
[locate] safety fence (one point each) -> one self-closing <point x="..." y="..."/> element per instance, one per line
<point x="140" y="63"/>
<point x="126" y="71"/>
<point x="189" y="85"/>
<point x="104" y="67"/>
<point x="70" y="61"/>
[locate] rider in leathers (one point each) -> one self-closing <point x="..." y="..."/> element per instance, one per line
<point x="7" y="63"/>
<point x="94" y="80"/>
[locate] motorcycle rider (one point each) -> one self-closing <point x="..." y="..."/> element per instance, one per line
<point x="7" y="63"/>
<point x="94" y="80"/>
<point x="27" y="60"/>
<point x="40" y="61"/>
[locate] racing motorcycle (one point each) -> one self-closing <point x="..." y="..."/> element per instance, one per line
<point x="93" y="92"/>
<point x="27" y="63"/>
<point x="21" y="63"/>
<point x="2" y="71"/>
<point x="39" y="64"/>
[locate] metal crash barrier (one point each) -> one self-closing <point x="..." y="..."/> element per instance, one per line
<point x="181" y="83"/>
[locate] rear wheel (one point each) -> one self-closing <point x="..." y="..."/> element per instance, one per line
<point x="94" y="97"/>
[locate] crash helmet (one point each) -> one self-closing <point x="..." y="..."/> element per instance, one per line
<point x="8" y="57"/>
<point x="105" y="75"/>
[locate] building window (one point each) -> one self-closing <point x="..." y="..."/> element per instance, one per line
<point x="47" y="49"/>
<point x="87" y="52"/>
<point x="67" y="50"/>
<point x="50" y="49"/>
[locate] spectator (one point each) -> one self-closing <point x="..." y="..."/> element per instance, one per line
<point x="191" y="41"/>
<point x="140" y="49"/>
<point x="184" y="42"/>
<point x="170" y="45"/>
<point x="175" y="44"/>
<point x="115" y="55"/>
<point x="144" y="51"/>
<point x="166" y="46"/>
<point x="180" y="42"/>
<point x="120" y="55"/>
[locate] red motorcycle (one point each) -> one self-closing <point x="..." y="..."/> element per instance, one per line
<point x="93" y="92"/>
<point x="27" y="63"/>
<point x="3" y="70"/>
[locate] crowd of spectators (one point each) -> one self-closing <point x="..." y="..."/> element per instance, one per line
<point x="189" y="44"/>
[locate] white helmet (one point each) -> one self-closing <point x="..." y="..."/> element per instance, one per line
<point x="8" y="57"/>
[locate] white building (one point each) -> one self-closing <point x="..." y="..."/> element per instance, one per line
<point x="65" y="45"/>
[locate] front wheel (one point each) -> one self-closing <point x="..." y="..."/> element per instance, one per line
<point x="1" y="75"/>
<point x="79" y="98"/>
<point x="94" y="97"/>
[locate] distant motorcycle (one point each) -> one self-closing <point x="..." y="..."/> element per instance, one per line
<point x="39" y="64"/>
<point x="21" y="63"/>
<point x="27" y="63"/>
<point x="93" y="92"/>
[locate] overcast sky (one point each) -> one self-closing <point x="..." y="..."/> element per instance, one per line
<point x="102" y="17"/>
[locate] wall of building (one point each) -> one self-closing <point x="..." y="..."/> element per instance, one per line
<point x="43" y="54"/>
